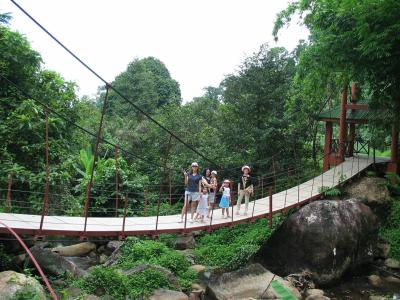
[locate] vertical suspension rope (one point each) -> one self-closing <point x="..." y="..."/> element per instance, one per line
<point x="122" y="236"/>
<point x="46" y="188"/>
<point x="96" y="149"/>
<point x="116" y="181"/>
<point x="8" y="198"/>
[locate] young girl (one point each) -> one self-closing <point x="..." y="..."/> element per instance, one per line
<point x="202" y="208"/>
<point x="226" y="196"/>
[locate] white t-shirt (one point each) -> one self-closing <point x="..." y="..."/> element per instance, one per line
<point x="226" y="192"/>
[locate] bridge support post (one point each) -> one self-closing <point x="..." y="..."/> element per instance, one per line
<point x="343" y="125"/>
<point x="328" y="145"/>
<point x="96" y="149"/>
<point x="394" y="148"/>
<point x="122" y="235"/>
<point x="270" y="207"/>
<point x="46" y="188"/>
<point x="352" y="130"/>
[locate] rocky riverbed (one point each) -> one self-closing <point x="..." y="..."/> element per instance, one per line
<point x="328" y="249"/>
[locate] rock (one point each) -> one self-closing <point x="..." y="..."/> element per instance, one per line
<point x="185" y="242"/>
<point x="314" y="292"/>
<point x="90" y="297"/>
<point x="57" y="265"/>
<point x="80" y="249"/>
<point x="101" y="249"/>
<point x="112" y="246"/>
<point x="371" y="189"/>
<point x="375" y="280"/>
<point x="246" y="283"/>
<point x="196" y="295"/>
<point x="72" y="293"/>
<point x="189" y="255"/>
<point x="382" y="250"/>
<point x="392" y="263"/>
<point x="19" y="260"/>
<point x="318" y="297"/>
<point x="197" y="287"/>
<point x="113" y="258"/>
<point x="102" y="258"/>
<point x="13" y="284"/>
<point x="168" y="274"/>
<point x="392" y="279"/>
<point x="198" y="268"/>
<point x="162" y="294"/>
<point x="327" y="238"/>
<point x="372" y="297"/>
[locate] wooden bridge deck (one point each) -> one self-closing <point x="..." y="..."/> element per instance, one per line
<point x="109" y="226"/>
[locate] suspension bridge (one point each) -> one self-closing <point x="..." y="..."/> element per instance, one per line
<point x="123" y="226"/>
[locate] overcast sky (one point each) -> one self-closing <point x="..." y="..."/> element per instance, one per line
<point x="199" y="41"/>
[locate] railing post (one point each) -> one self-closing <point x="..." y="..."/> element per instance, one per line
<point x="270" y="207"/>
<point x="145" y="201"/>
<point x="116" y="181"/>
<point x="170" y="187"/>
<point x="185" y="205"/>
<point x="274" y="172"/>
<point x="46" y="188"/>
<point x="8" y="198"/>
<point x="262" y="186"/>
<point x="231" y="200"/>
<point x="212" y="210"/>
<point x="96" y="149"/>
<point x="158" y="214"/>
<point x="298" y="182"/>
<point x="287" y="186"/>
<point x="122" y="235"/>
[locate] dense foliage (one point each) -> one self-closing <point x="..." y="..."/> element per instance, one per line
<point x="114" y="282"/>
<point x="267" y="108"/>
<point x="231" y="248"/>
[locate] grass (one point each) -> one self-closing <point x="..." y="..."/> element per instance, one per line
<point x="115" y="283"/>
<point x="231" y="248"/>
<point x="391" y="229"/>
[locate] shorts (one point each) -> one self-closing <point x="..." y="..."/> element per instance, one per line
<point x="192" y="196"/>
<point x="212" y="197"/>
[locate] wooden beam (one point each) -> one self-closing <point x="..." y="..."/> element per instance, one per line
<point x="357" y="106"/>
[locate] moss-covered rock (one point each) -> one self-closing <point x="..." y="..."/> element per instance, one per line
<point x="15" y="285"/>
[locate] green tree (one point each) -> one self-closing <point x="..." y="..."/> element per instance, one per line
<point x="148" y="84"/>
<point x="358" y="40"/>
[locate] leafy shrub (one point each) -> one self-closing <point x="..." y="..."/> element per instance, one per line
<point x="119" y="286"/>
<point x="391" y="228"/>
<point x="330" y="191"/>
<point x="231" y="248"/>
<point x="393" y="183"/>
<point x="5" y="259"/>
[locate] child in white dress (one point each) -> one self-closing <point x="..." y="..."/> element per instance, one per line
<point x="202" y="208"/>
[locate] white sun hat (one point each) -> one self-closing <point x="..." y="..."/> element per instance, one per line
<point x="246" y="167"/>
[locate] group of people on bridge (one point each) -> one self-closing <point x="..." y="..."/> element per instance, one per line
<point x="201" y="193"/>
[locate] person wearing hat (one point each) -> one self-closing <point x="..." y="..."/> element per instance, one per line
<point x="226" y="198"/>
<point x="193" y="190"/>
<point x="245" y="189"/>
<point x="212" y="185"/>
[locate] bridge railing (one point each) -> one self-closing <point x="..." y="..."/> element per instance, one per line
<point x="289" y="182"/>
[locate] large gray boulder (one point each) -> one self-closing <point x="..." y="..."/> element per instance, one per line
<point x="372" y="190"/>
<point x="247" y="283"/>
<point x="326" y="238"/>
<point x="54" y="264"/>
<point x="13" y="284"/>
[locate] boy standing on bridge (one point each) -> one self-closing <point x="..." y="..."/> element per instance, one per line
<point x="245" y="188"/>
